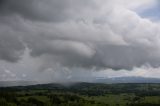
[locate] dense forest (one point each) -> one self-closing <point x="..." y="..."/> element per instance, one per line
<point x="81" y="94"/>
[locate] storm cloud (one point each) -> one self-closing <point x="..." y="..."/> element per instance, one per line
<point x="79" y="33"/>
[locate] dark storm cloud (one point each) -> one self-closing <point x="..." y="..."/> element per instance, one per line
<point x="77" y="33"/>
<point x="48" y="10"/>
<point x="11" y="48"/>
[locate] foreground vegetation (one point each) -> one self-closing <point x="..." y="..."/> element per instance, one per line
<point x="82" y="94"/>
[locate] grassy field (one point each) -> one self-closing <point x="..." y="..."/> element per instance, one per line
<point x="82" y="94"/>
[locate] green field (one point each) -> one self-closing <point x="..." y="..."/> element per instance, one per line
<point x="82" y="94"/>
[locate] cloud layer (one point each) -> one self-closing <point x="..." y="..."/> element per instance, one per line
<point x="78" y="33"/>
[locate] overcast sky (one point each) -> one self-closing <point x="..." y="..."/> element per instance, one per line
<point x="59" y="40"/>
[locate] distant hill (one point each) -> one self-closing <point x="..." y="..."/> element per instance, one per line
<point x="127" y="80"/>
<point x="16" y="83"/>
<point x="97" y="80"/>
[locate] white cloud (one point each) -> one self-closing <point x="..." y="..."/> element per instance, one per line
<point x="144" y="71"/>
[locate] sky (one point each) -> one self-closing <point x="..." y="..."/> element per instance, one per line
<point x="79" y="40"/>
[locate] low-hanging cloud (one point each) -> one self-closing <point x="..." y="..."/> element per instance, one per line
<point x="79" y="33"/>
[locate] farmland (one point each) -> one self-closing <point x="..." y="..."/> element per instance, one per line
<point x="81" y="94"/>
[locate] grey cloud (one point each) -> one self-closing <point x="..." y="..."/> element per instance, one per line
<point x="48" y="10"/>
<point x="11" y="48"/>
<point x="82" y="34"/>
<point x="126" y="57"/>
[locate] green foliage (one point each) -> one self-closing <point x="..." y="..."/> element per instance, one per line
<point x="82" y="94"/>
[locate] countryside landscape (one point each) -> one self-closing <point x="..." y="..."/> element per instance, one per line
<point x="81" y="94"/>
<point x="79" y="52"/>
